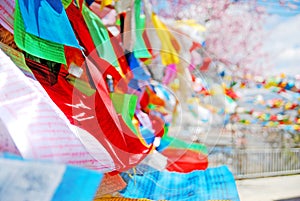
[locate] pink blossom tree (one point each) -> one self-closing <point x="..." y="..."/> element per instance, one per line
<point x="234" y="35"/>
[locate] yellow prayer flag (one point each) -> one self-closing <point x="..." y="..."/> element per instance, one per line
<point x="106" y="3"/>
<point x="169" y="54"/>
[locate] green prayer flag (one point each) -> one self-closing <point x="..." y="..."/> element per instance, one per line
<point x="34" y="45"/>
<point x="180" y="144"/>
<point x="16" y="56"/>
<point x="125" y="105"/>
<point x="99" y="36"/>
<point x="140" y="50"/>
<point x="66" y="3"/>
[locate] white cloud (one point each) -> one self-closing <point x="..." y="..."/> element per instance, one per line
<point x="283" y="44"/>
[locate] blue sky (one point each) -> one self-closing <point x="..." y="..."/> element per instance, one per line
<point x="283" y="40"/>
<point x="286" y="8"/>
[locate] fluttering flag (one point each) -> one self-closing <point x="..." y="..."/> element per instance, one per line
<point x="18" y="58"/>
<point x="205" y="64"/>
<point x="105" y="3"/>
<point x="183" y="156"/>
<point x="47" y="134"/>
<point x="110" y="184"/>
<point x="42" y="18"/>
<point x="170" y="74"/>
<point x="185" y="160"/>
<point x="128" y="25"/>
<point x="31" y="180"/>
<point x="149" y="98"/>
<point x="80" y="28"/>
<point x="135" y="149"/>
<point x="140" y="49"/>
<point x="85" y="39"/>
<point x="138" y="71"/>
<point x="120" y="199"/>
<point x="231" y="93"/>
<point x="7" y="15"/>
<point x="173" y="142"/>
<point x="34" y="45"/>
<point x="100" y="36"/>
<point x="169" y="55"/>
<point x="125" y="105"/>
<point x="195" y="186"/>
<point x="96" y="115"/>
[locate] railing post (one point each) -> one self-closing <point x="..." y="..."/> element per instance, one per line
<point x="266" y="162"/>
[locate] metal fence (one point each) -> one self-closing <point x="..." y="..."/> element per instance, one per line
<point x="259" y="162"/>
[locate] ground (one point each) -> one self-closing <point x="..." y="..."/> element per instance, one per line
<point x="270" y="189"/>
